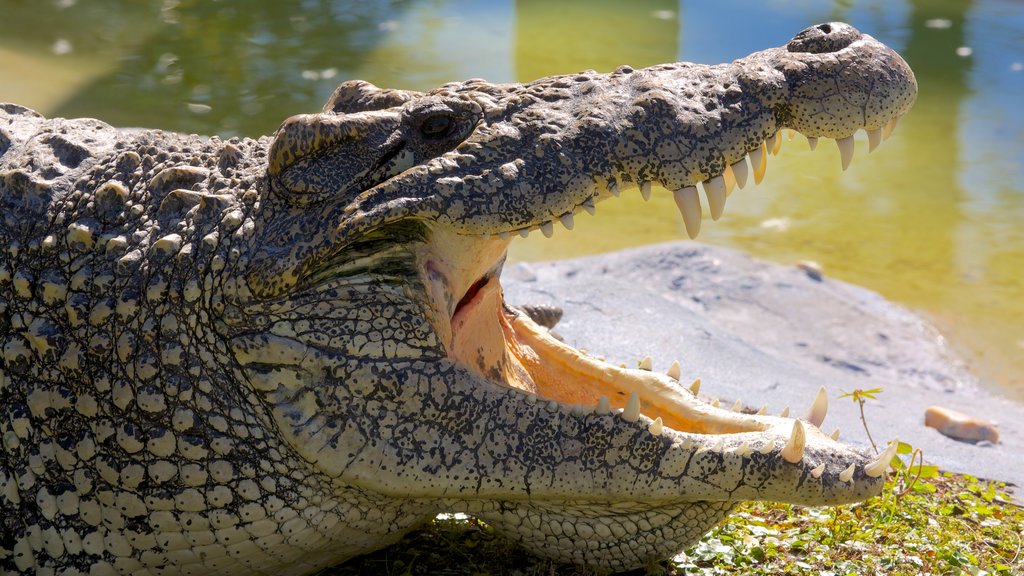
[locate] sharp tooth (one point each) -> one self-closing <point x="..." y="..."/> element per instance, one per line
<point x="834" y="435"/>
<point x="674" y="371"/>
<point x="845" y="150"/>
<point x="504" y="235"/>
<point x="645" y="193"/>
<point x="553" y="406"/>
<point x="739" y="170"/>
<point x="763" y="410"/>
<point x="689" y="206"/>
<point x="524" y="232"/>
<point x="790" y="133"/>
<point x="576" y="410"/>
<point x="776" y="143"/>
<point x="785" y="412"/>
<point x="646" y="363"/>
<point x="695" y="386"/>
<point x="632" y="411"/>
<point x="613" y="189"/>
<point x="715" y="403"/>
<point x="714" y="189"/>
<point x="759" y="162"/>
<point x="567" y="220"/>
<point x="548" y="229"/>
<point x="588" y="205"/>
<point x="656" y="427"/>
<point x="877" y="467"/>
<point x="602" y="406"/>
<point x="768" y="447"/>
<point x="737" y="405"/>
<point x="816" y="415"/>
<point x="719" y="445"/>
<point x="889" y="127"/>
<point x="874" y="139"/>
<point x="730" y="180"/>
<point x="743" y="449"/>
<point x="847" y="475"/>
<point x="812" y="142"/>
<point x="793" y="451"/>
<point x="817" y="471"/>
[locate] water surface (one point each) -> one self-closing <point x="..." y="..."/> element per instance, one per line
<point x="934" y="219"/>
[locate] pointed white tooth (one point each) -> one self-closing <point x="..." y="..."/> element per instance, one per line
<point x="567" y="220"/>
<point x="739" y="170"/>
<point x="524" y="232"/>
<point x="656" y="427"/>
<point x="817" y="471"/>
<point x="613" y="189"/>
<point x="632" y="411"/>
<point x="689" y="206"/>
<point x="504" y="235"/>
<point x="576" y="410"/>
<point x="588" y="205"/>
<point x="768" y="447"/>
<point x="714" y="189"/>
<point x="845" y="150"/>
<point x="759" y="162"/>
<point x="874" y="139"/>
<point x="743" y="449"/>
<point x="812" y="142"/>
<point x="889" y="127"/>
<point x="819" y="408"/>
<point x="877" y="467"/>
<point x="790" y="133"/>
<point x="553" y="406"/>
<point x="785" y="412"/>
<point x="718" y="445"/>
<point x="834" y="435"/>
<point x="646" y="363"/>
<point x="730" y="180"/>
<point x="793" y="451"/>
<point x="776" y="143"/>
<point x="763" y="410"/>
<point x="645" y="193"/>
<point x="737" y="405"/>
<point x="548" y="229"/>
<point x="847" y="475"/>
<point x="715" y="403"/>
<point x="674" y="371"/>
<point x="695" y="386"/>
<point x="603" y="407"/>
<point x="687" y="444"/>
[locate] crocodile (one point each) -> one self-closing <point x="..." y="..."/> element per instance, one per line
<point x="267" y="356"/>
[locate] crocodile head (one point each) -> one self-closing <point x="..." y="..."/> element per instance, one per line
<point x="368" y="311"/>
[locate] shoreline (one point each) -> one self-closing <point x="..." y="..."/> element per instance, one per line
<point x="769" y="334"/>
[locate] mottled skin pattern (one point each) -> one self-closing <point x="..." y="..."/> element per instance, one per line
<point x="267" y="356"/>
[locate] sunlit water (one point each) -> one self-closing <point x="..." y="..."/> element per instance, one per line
<point x="933" y="219"/>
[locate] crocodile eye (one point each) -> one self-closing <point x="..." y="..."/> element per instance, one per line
<point x="436" y="125"/>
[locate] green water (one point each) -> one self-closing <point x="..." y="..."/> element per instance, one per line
<point x="933" y="219"/>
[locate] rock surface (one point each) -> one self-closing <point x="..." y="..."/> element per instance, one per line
<point x="771" y="335"/>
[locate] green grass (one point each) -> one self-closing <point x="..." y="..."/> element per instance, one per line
<point x="941" y="524"/>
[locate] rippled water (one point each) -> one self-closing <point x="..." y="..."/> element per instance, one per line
<point x="934" y="219"/>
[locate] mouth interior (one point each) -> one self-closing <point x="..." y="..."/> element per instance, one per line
<point x="507" y="347"/>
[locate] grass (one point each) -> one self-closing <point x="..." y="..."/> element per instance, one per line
<point x="940" y="523"/>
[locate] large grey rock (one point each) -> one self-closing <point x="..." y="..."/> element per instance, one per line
<point x="771" y="335"/>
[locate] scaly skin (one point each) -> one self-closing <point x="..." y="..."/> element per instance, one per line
<point x="267" y="356"/>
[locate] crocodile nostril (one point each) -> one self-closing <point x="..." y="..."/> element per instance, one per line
<point x="824" y="38"/>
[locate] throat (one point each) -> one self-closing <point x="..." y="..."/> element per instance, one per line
<point x="481" y="334"/>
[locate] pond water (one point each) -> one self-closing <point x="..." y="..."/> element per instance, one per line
<point x="934" y="219"/>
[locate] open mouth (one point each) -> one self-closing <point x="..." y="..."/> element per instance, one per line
<point x="506" y="346"/>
